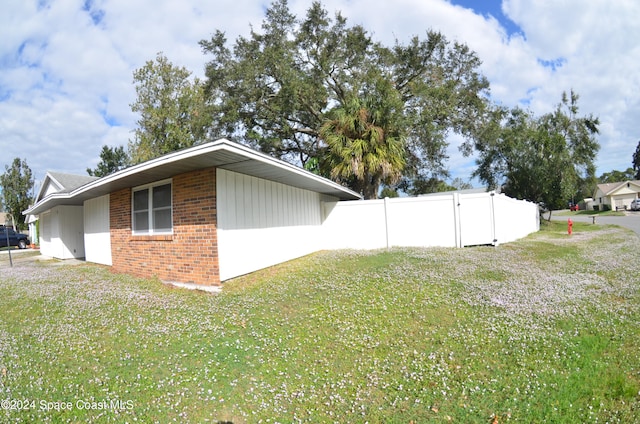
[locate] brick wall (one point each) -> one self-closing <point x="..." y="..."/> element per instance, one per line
<point x="190" y="254"/>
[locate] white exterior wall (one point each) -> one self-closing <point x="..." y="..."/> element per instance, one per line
<point x="33" y="232"/>
<point x="450" y="220"/>
<point x="600" y="199"/>
<point x="51" y="188"/>
<point x="97" y="236"/>
<point x="263" y="223"/>
<point x="622" y="200"/>
<point x="62" y="232"/>
<point x="48" y="222"/>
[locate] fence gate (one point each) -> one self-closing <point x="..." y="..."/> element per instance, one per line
<point x="477" y="219"/>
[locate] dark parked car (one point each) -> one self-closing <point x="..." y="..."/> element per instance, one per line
<point x="15" y="239"/>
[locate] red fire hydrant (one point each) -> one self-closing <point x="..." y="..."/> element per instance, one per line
<point x="570" y="226"/>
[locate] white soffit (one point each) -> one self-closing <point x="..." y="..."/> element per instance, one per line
<point x="220" y="154"/>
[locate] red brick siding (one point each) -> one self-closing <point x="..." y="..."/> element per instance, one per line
<point x="190" y="254"/>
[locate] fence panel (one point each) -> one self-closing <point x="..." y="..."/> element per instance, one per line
<point x="514" y="218"/>
<point x="358" y="224"/>
<point x="421" y="221"/>
<point x="448" y="220"/>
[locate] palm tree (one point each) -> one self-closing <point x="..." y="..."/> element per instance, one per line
<point x="364" y="150"/>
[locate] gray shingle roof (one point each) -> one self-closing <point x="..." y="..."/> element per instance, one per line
<point x="70" y="182"/>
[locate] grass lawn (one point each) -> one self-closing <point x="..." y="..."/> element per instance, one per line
<point x="545" y="329"/>
<point x="588" y="213"/>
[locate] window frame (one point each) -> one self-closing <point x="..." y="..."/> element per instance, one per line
<point x="152" y="230"/>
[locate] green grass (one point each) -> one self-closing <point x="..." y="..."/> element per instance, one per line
<point x="589" y="213"/>
<point x="541" y="330"/>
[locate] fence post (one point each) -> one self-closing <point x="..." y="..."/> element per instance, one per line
<point x="456" y="219"/>
<point x="386" y="222"/>
<point x="493" y="219"/>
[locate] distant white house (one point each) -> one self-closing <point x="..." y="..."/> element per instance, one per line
<point x="61" y="227"/>
<point x="616" y="195"/>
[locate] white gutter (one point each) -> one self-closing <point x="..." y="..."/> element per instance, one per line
<point x="199" y="150"/>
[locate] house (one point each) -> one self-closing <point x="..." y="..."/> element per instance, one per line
<point x="587" y="203"/>
<point x="61" y="229"/>
<point x="616" y="195"/>
<point x="200" y="215"/>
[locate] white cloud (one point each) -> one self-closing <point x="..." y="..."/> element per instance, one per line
<point x="66" y="65"/>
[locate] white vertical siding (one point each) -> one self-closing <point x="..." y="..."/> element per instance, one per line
<point x="51" y="188"/>
<point x="45" y="234"/>
<point x="97" y="237"/>
<point x="62" y="232"/>
<point x="72" y="231"/>
<point x="263" y="223"/>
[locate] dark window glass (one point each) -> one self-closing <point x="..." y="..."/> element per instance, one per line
<point x="162" y="219"/>
<point x="141" y="200"/>
<point x="152" y="209"/>
<point x="162" y="196"/>
<point x="141" y="221"/>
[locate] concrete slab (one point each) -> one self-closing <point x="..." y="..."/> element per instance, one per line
<point x="191" y="286"/>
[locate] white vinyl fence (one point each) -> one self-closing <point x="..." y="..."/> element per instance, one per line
<point x="448" y="220"/>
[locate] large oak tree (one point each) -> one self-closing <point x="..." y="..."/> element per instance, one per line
<point x="276" y="88"/>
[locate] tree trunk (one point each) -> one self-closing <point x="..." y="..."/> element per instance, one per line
<point x="369" y="192"/>
<point x="370" y="187"/>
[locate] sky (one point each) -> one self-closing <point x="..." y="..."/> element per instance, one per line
<point x="66" y="66"/>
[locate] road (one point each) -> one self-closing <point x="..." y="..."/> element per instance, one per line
<point x="631" y="220"/>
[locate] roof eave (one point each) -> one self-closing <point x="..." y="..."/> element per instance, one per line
<point x="238" y="159"/>
<point x="619" y="186"/>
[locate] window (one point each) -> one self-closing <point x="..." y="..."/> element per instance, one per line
<point x="152" y="209"/>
